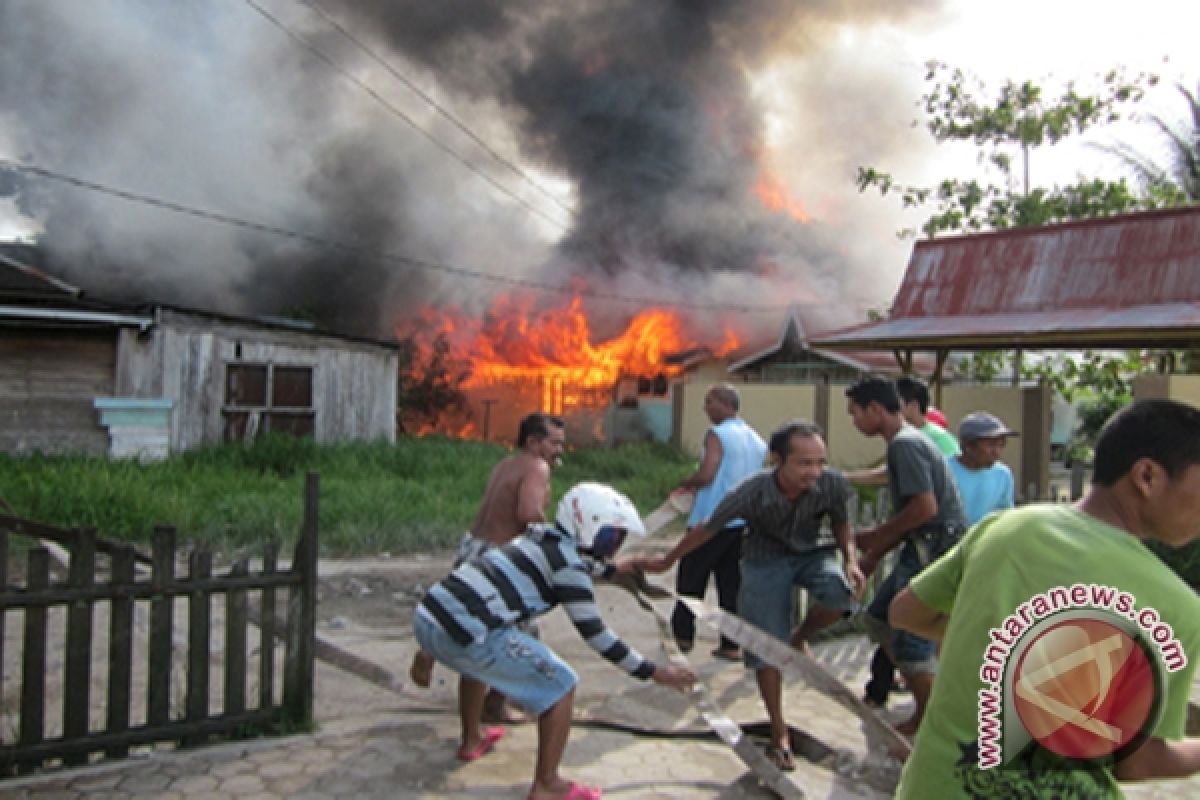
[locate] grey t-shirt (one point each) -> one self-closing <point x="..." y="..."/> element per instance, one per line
<point x="915" y="465"/>
<point x="779" y="526"/>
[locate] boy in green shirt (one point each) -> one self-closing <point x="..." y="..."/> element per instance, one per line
<point x="1065" y="642"/>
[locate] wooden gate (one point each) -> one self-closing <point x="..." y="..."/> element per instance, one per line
<point x="146" y="677"/>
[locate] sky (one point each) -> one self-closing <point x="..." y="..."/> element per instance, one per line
<point x="618" y="146"/>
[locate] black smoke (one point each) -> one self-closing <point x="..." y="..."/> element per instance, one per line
<point x="647" y="111"/>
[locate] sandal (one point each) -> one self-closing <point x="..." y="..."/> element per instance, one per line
<point x="781" y="757"/>
<point x="490" y="737"/>
<point x="577" y="791"/>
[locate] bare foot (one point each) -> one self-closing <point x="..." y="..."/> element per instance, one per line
<point x="421" y="671"/>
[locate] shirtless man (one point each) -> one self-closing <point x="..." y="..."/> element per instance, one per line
<point x="518" y="489"/>
<point x="517" y="493"/>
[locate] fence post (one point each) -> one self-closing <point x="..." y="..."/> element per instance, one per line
<point x="120" y="647"/>
<point x="3" y="615"/>
<point x="266" y="631"/>
<point x="158" y="701"/>
<point x="33" y="655"/>
<point x="235" y="643"/>
<point x="199" y="640"/>
<point x="302" y="614"/>
<point x="77" y="679"/>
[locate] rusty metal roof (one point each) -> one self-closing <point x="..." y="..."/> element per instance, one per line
<point x="1125" y="281"/>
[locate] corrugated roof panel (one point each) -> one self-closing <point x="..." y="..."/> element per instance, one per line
<point x="1123" y="273"/>
<point x="1108" y="263"/>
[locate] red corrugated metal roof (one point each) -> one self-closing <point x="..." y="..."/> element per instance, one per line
<point x="1117" y="281"/>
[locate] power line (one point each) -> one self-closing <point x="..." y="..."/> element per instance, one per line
<point x="378" y="255"/>
<point x="462" y="126"/>
<point x="397" y="112"/>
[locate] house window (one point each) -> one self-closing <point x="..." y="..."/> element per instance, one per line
<point x="267" y="397"/>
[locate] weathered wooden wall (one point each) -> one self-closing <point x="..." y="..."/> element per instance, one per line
<point x="47" y="382"/>
<point x="354" y="382"/>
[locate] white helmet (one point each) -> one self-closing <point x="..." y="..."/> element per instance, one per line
<point x="597" y="516"/>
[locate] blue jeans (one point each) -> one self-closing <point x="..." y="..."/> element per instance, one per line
<point x="508" y="660"/>
<point x="911" y="654"/>
<point x="765" y="599"/>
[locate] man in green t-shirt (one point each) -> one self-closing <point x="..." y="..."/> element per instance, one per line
<point x="914" y="405"/>
<point x="1067" y="646"/>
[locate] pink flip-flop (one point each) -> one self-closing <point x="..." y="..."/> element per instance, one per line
<point x="577" y="791"/>
<point x="490" y="737"/>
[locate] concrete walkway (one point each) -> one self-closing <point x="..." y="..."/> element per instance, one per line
<point x="377" y="744"/>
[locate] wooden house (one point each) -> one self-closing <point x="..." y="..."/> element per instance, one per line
<point x="83" y="375"/>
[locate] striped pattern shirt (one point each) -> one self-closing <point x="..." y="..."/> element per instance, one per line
<point x="780" y="526"/>
<point x="524" y="579"/>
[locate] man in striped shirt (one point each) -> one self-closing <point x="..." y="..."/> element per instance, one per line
<point x="469" y="621"/>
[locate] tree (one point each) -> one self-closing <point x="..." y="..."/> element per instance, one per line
<point x="1180" y="174"/>
<point x="1020" y="118"/>
<point x="430" y="384"/>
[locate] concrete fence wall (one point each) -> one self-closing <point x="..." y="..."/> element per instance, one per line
<point x="765" y="407"/>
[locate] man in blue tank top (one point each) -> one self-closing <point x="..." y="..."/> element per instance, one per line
<point x="732" y="452"/>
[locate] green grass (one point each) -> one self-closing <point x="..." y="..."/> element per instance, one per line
<point x="414" y="495"/>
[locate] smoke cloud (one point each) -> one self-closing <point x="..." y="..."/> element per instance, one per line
<point x="655" y="123"/>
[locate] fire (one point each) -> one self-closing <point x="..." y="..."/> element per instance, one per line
<point x="775" y="196"/>
<point x="551" y="352"/>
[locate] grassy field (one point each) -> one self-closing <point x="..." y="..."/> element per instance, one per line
<point x="418" y="494"/>
<point x="412" y="496"/>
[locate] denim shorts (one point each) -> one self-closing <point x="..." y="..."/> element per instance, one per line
<point x="765" y="596"/>
<point x="508" y="660"/>
<point x="911" y="654"/>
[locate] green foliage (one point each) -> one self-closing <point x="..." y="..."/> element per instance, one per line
<point x="1091" y="374"/>
<point x="1017" y="118"/>
<point x="414" y="495"/>
<point x="430" y="384"/>
<point x="1177" y="176"/>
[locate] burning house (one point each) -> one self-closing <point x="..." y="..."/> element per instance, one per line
<point x="595" y="199"/>
<point x="522" y="357"/>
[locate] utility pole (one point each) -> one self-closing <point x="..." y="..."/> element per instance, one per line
<point x="487" y="417"/>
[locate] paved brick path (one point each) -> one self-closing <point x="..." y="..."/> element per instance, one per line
<point x="375" y="744"/>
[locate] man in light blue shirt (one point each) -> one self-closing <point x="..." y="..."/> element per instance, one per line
<point x="732" y="452"/>
<point x="985" y="483"/>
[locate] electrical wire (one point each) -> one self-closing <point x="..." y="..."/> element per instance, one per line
<point x="401" y="115"/>
<point x="455" y="121"/>
<point x="378" y="255"/>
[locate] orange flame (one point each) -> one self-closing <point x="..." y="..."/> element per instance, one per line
<point x="516" y="343"/>
<point x="774" y="195"/>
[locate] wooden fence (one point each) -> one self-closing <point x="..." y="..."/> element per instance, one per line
<point x="166" y="693"/>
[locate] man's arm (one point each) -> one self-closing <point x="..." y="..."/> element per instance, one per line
<point x="876" y="476"/>
<point x="707" y="470"/>
<point x="877" y="541"/>
<point x="1159" y="758"/>
<point x="533" y="493"/>
<point x="908" y="613"/>
<point x="695" y="537"/>
<point x="845" y="542"/>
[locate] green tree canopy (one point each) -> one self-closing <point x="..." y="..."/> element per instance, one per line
<point x="1005" y="127"/>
